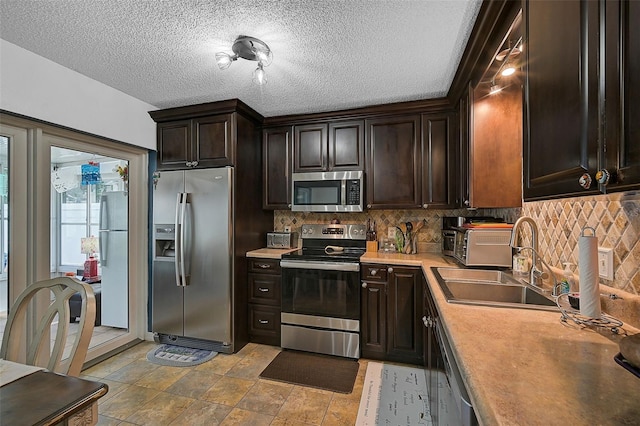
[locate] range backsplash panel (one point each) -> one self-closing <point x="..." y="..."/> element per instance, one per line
<point x="615" y="218"/>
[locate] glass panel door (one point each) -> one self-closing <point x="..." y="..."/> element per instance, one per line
<point x="4" y="230"/>
<point x="89" y="233"/>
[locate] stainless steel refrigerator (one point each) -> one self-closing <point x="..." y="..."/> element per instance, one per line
<point x="114" y="259"/>
<point x="193" y="258"/>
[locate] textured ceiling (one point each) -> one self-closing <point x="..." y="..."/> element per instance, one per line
<point x="328" y="54"/>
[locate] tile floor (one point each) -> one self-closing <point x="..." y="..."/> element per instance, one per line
<point x="224" y="391"/>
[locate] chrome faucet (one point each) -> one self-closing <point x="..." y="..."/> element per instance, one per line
<point x="535" y="274"/>
<point x="539" y="274"/>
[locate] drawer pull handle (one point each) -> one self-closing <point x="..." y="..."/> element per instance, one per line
<point x="263" y="265"/>
<point x="263" y="321"/>
<point x="264" y="290"/>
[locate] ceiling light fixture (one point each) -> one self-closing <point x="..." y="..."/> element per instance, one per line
<point x="251" y="49"/>
<point x="494" y="88"/>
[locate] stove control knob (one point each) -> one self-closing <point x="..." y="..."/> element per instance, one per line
<point x="310" y="231"/>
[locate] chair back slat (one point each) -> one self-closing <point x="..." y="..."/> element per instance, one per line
<point x="39" y="351"/>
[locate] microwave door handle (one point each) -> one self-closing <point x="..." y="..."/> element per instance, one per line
<point x="343" y="192"/>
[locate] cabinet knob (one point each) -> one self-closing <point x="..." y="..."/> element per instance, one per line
<point x="364" y="285"/>
<point x="368" y="206"/>
<point x="585" y="181"/>
<point x="289" y="205"/>
<point x="194" y="164"/>
<point x="390" y="270"/>
<point x="188" y="164"/>
<point x="425" y="206"/>
<point x="603" y="176"/>
<point x="466" y="202"/>
<point x="374" y="272"/>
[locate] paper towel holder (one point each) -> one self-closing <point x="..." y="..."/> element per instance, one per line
<point x="585" y="228"/>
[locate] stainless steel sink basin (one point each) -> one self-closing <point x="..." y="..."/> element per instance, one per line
<point x="489" y="288"/>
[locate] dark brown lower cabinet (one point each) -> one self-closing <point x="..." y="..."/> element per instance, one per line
<point x="392" y="309"/>
<point x="264" y="281"/>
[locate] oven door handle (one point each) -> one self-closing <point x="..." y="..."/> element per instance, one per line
<point x="325" y="266"/>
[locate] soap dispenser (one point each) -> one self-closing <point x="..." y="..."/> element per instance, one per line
<point x="568" y="284"/>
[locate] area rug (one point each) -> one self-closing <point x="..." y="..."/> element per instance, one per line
<point x="326" y="372"/>
<point x="393" y="395"/>
<point x="178" y="356"/>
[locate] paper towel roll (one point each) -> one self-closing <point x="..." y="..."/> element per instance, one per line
<point x="588" y="268"/>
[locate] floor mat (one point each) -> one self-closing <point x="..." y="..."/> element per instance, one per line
<point x="326" y="372"/>
<point x="393" y="395"/>
<point x="179" y="356"/>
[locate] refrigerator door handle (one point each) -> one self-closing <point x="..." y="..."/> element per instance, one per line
<point x="103" y="247"/>
<point x="104" y="217"/>
<point x="179" y="261"/>
<point x="184" y="243"/>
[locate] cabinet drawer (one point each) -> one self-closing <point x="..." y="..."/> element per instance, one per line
<point x="264" y="289"/>
<point x="265" y="266"/>
<point x="374" y="272"/>
<point x="264" y="324"/>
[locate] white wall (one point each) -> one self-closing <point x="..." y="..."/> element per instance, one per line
<point x="39" y="88"/>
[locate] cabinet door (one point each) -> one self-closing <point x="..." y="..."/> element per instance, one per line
<point x="393" y="162"/>
<point x="373" y="326"/>
<point x="561" y="115"/>
<point x="310" y="148"/>
<point x="622" y="88"/>
<point x="174" y="144"/>
<point x="276" y="167"/>
<point x="464" y="119"/>
<point x="405" y="306"/>
<point x="213" y="142"/>
<point x="346" y="145"/>
<point x="438" y="167"/>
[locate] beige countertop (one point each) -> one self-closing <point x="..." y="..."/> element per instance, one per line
<point x="269" y="253"/>
<point x="527" y="366"/>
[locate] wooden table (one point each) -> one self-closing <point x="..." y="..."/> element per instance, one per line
<point x="45" y="398"/>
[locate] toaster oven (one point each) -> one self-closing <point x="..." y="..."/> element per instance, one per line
<point x="282" y="240"/>
<point x="483" y="247"/>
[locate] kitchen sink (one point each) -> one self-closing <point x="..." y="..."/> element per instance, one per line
<point x="489" y="288"/>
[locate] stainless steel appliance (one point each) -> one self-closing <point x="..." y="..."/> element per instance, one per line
<point x="483" y="246"/>
<point x="449" y="233"/>
<point x="449" y="401"/>
<point x="321" y="291"/>
<point x="327" y="191"/>
<point x="114" y="259"/>
<point x="193" y="260"/>
<point x="282" y="239"/>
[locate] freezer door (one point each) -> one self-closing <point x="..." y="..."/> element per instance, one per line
<point x="207" y="298"/>
<point x="165" y="196"/>
<point x="115" y="289"/>
<point x="113" y="211"/>
<point x="167" y="306"/>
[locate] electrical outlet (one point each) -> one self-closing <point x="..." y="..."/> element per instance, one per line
<point x="605" y="263"/>
<point x="391" y="232"/>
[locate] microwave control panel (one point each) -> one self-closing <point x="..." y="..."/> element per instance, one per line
<point x="353" y="192"/>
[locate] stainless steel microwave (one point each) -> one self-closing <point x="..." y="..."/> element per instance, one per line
<point x="327" y="192"/>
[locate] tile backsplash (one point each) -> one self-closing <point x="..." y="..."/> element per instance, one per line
<point x="615" y="218"/>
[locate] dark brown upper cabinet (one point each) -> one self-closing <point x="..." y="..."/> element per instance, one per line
<point x="394" y="162"/>
<point x="622" y="91"/>
<point x="329" y="146"/>
<point x="581" y="117"/>
<point x="438" y="160"/>
<point x="198" y="143"/>
<point x="204" y="135"/>
<point x="562" y="114"/>
<point x="276" y="165"/>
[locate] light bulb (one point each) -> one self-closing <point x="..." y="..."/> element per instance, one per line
<point x="494" y="89"/>
<point x="259" y="76"/>
<point x="264" y="56"/>
<point x="508" y="70"/>
<point x="224" y="60"/>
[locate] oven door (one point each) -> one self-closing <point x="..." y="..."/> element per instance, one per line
<point x="326" y="289"/>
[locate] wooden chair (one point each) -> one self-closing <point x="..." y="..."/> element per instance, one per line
<point x="38" y="351"/>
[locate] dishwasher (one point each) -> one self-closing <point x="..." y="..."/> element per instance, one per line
<point x="452" y="405"/>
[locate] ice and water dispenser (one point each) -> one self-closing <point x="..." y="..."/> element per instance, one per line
<point x="165" y="242"/>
